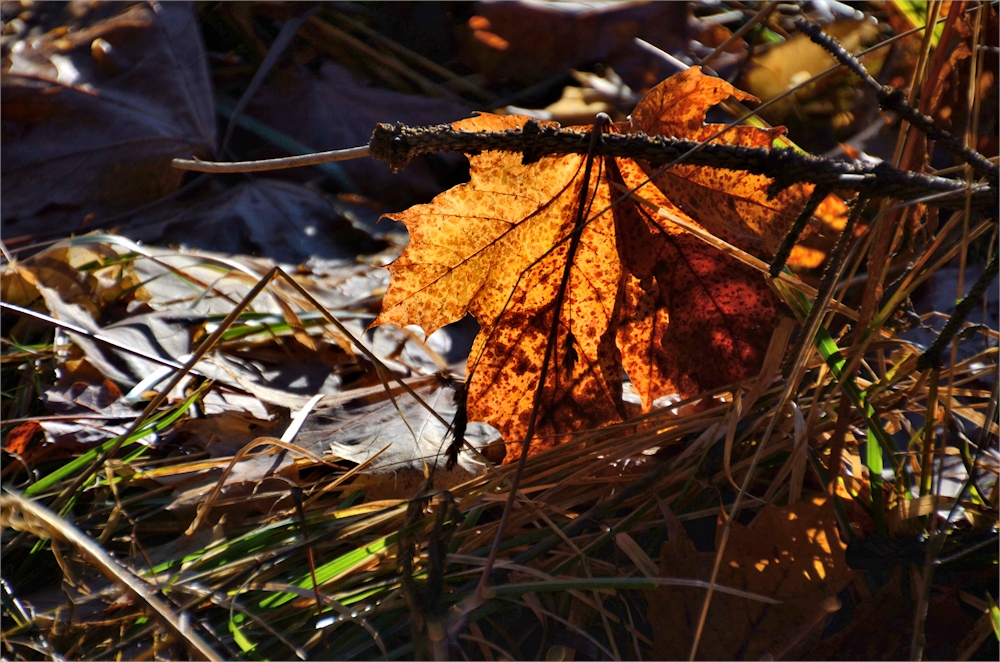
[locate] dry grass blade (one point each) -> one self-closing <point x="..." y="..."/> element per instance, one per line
<point x="68" y="326"/>
<point x="262" y="441"/>
<point x="26" y="515"/>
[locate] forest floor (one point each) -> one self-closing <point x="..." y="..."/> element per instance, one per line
<point x="219" y="444"/>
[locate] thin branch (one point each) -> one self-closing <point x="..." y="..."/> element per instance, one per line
<point x="398" y="144"/>
<point x="893" y="100"/>
<point x="818" y="195"/>
<point x="272" y="164"/>
<point x="832" y="275"/>
<point x="932" y="357"/>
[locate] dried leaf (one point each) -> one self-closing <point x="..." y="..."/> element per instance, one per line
<point x="792" y="62"/>
<point x="358" y="426"/>
<point x="531" y="41"/>
<point x="580" y="105"/>
<point x="496" y="248"/>
<point x="793" y="554"/>
<point x="84" y="109"/>
<point x="639" y="293"/>
<point x="91" y="275"/>
<point x="86" y="414"/>
<point x="286" y="222"/>
<point x="19" y="439"/>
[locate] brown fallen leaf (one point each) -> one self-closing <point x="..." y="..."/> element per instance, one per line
<point x="284" y="221"/>
<point x="880" y="625"/>
<point x="529" y="42"/>
<point x="792" y="62"/>
<point x="581" y="104"/>
<point x="89" y="275"/>
<point x="392" y="435"/>
<point x="19" y="440"/>
<point x="793" y="554"/>
<point x="94" y="115"/>
<point x="396" y="438"/>
<point x="642" y="295"/>
<point x="84" y="415"/>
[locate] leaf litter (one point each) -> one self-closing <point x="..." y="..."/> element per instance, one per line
<point x="792" y="553"/>
<point x="130" y="92"/>
<point x="362" y="465"/>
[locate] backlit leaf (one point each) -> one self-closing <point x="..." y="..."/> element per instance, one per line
<point x="495" y="248"/>
<point x="640" y="295"/>
<point x="692" y="318"/>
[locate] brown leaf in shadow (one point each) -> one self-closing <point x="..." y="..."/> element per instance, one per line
<point x="793" y="554"/>
<point x="284" y="221"/>
<point x="93" y="117"/>
<point x="529" y="42"/>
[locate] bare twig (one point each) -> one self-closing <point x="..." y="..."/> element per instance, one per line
<point x="272" y="164"/>
<point x="818" y="195"/>
<point x="895" y="101"/>
<point x="400" y="143"/>
<point x="932" y="357"/>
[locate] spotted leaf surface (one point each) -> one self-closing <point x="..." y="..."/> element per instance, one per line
<point x="732" y="204"/>
<point x="574" y="284"/>
<point x="497" y="248"/>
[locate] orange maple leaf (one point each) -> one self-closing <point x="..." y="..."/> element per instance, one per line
<point x="641" y="295"/>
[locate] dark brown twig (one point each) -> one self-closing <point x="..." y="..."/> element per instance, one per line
<point x="818" y="195"/>
<point x="398" y="144"/>
<point x="830" y="277"/>
<point x="932" y="357"/>
<point x="894" y="100"/>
